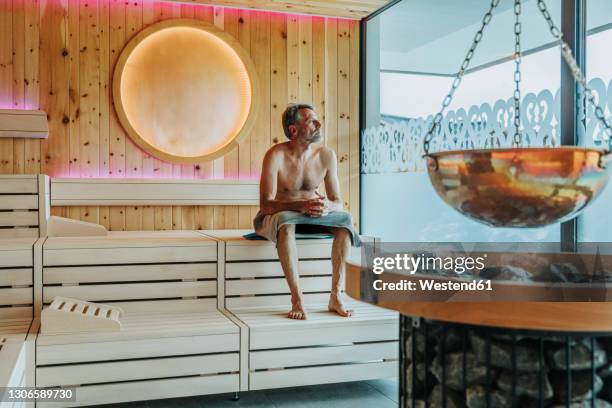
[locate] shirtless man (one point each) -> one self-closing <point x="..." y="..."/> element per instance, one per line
<point x="291" y="173"/>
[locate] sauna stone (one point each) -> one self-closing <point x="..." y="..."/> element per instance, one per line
<point x="526" y="384"/>
<point x="599" y="403"/>
<point x="453" y="398"/>
<point x="507" y="273"/>
<point x="453" y="340"/>
<point x="501" y="354"/>
<point x="605" y="372"/>
<point x="580" y="356"/>
<point x="476" y="372"/>
<point x="581" y="385"/>
<point x="477" y="398"/>
<point x="419" y="385"/>
<point x="564" y="272"/>
<point x="420" y="346"/>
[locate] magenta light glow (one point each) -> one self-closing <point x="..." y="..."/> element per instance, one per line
<point x="163" y="10"/>
<point x="12" y="106"/>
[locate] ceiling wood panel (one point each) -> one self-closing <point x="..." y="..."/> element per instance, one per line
<point x="353" y="9"/>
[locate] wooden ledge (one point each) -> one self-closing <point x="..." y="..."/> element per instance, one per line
<point x="131" y="239"/>
<point x="94" y="192"/>
<point x="557" y="316"/>
<point x="22" y="123"/>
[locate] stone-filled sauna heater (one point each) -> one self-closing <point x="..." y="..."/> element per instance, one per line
<point x="477" y="366"/>
<point x="497" y="354"/>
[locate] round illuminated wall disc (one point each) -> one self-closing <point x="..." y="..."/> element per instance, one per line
<point x="185" y="91"/>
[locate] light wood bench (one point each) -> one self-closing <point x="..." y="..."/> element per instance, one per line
<point x="17" y="331"/>
<point x="173" y="342"/>
<point x="326" y="348"/>
<point x="17" y="278"/>
<point x="17" y="354"/>
<point x="24" y="205"/>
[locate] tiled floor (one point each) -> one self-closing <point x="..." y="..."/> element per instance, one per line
<point x="361" y="394"/>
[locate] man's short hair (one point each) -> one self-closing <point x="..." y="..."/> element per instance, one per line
<point x="291" y="116"/>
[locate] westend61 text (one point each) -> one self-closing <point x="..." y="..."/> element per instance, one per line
<point x="432" y="284"/>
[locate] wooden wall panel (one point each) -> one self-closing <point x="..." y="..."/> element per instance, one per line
<point x="261" y="55"/>
<point x="117" y="145"/>
<point x="54" y="73"/>
<point x="74" y="93"/>
<point x="343" y="81"/>
<point x="18" y="73"/>
<point x="352" y="196"/>
<point x="89" y="87"/>
<point x="134" y="157"/>
<point x="278" y="75"/>
<point x="246" y="19"/>
<point x="105" y="88"/>
<point x="305" y="59"/>
<point x="293" y="57"/>
<point x="331" y="84"/>
<point x="31" y="79"/>
<point x="318" y="68"/>
<point x="59" y="55"/>
<point x="6" y="80"/>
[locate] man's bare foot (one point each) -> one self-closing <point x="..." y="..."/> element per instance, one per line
<point x="337" y="306"/>
<point x="297" y="312"/>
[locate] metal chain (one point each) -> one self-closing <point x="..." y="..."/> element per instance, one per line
<point x="517" y="73"/>
<point x="566" y="52"/>
<point x="435" y="125"/>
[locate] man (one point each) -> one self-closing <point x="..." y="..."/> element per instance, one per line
<point x="291" y="173"/>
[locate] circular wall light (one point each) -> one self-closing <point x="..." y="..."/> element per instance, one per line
<point x="185" y="91"/>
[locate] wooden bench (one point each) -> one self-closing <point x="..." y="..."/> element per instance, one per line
<point x="17" y="354"/>
<point x="17" y="278"/>
<point x="17" y="330"/>
<point x="326" y="348"/>
<point x="24" y="205"/>
<point x="173" y="342"/>
<point x="205" y="312"/>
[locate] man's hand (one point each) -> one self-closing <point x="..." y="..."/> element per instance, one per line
<point x="314" y="207"/>
<point x="327" y="205"/>
<point x="317" y="207"/>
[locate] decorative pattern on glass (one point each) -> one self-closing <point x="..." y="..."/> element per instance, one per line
<point x="396" y="145"/>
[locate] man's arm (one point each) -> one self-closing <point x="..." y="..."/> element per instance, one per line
<point x="333" y="202"/>
<point x="267" y="190"/>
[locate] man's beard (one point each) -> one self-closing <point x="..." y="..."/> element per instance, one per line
<point x="316" y="137"/>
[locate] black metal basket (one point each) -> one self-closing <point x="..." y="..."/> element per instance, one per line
<point x="457" y="365"/>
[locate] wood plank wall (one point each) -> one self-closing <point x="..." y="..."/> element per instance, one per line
<point x="59" y="55"/>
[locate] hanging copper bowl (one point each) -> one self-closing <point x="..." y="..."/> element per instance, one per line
<point x="519" y="187"/>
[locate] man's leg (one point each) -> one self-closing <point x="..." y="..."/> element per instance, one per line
<point x="287" y="252"/>
<point x="340" y="251"/>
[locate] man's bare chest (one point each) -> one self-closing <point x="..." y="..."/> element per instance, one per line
<point x="300" y="176"/>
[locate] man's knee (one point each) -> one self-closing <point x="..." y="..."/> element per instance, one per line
<point x="342" y="234"/>
<point x="286" y="231"/>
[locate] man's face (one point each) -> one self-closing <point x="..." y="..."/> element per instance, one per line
<point x="309" y="127"/>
